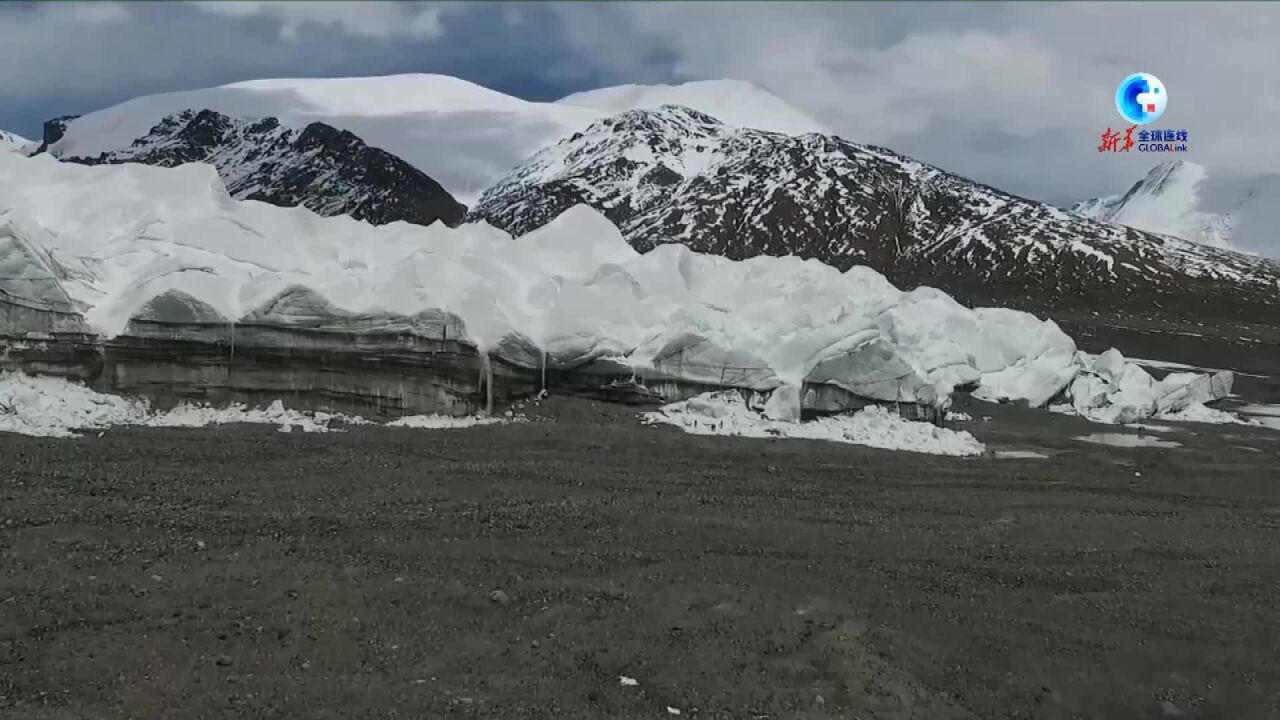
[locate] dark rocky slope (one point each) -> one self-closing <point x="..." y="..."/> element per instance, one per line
<point x="675" y="175"/>
<point x="319" y="167"/>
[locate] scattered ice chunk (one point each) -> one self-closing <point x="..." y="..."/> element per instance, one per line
<point x="276" y="413"/>
<point x="56" y="407"/>
<point x="1201" y="414"/>
<point x="784" y="404"/>
<point x="1111" y="390"/>
<point x="726" y="413"/>
<point x="53" y="407"/>
<point x="443" y="422"/>
<point x="625" y="681"/>
<point x="1109" y="366"/>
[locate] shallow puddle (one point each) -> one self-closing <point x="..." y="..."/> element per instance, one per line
<point x="1020" y="455"/>
<point x="1123" y="440"/>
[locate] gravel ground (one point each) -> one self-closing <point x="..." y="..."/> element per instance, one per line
<point x="520" y="571"/>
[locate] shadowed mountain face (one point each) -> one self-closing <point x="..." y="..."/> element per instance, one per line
<point x="52" y="132"/>
<point x="674" y="175"/>
<point x="327" y="170"/>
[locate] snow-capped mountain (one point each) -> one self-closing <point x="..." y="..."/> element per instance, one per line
<point x="330" y="171"/>
<point x="10" y="142"/>
<point x="1240" y="212"/>
<point x="732" y="102"/>
<point x="465" y="136"/>
<point x="675" y="175"/>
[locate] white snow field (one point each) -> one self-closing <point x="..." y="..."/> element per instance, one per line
<point x="463" y="135"/>
<point x="727" y="413"/>
<point x="112" y="239"/>
<point x="55" y="407"/>
<point x="10" y="142"/>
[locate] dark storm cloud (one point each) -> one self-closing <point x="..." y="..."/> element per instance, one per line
<point x="105" y="53"/>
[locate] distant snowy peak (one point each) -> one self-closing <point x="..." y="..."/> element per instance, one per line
<point x="1183" y="199"/>
<point x="1169" y="179"/>
<point x="9" y="142"/>
<point x="327" y="170"/>
<point x="677" y="175"/>
<point x="1164" y="201"/>
<point x="733" y="102"/>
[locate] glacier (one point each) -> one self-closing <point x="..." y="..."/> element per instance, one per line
<point x="119" y="250"/>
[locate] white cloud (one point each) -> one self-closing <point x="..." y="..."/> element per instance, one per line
<point x="1015" y="94"/>
<point x="98" y="13"/>
<point x="367" y="19"/>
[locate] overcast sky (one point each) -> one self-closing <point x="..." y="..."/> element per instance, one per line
<point x="1014" y="95"/>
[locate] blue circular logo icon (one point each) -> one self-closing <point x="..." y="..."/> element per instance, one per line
<point x="1141" y="98"/>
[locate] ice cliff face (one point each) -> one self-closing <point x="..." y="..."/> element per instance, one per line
<point x="145" y="256"/>
<point x="319" y="167"/>
<point x="678" y="176"/>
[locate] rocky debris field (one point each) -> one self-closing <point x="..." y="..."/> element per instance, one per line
<point x="580" y="564"/>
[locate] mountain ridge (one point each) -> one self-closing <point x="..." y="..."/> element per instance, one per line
<point x="677" y="175"/>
